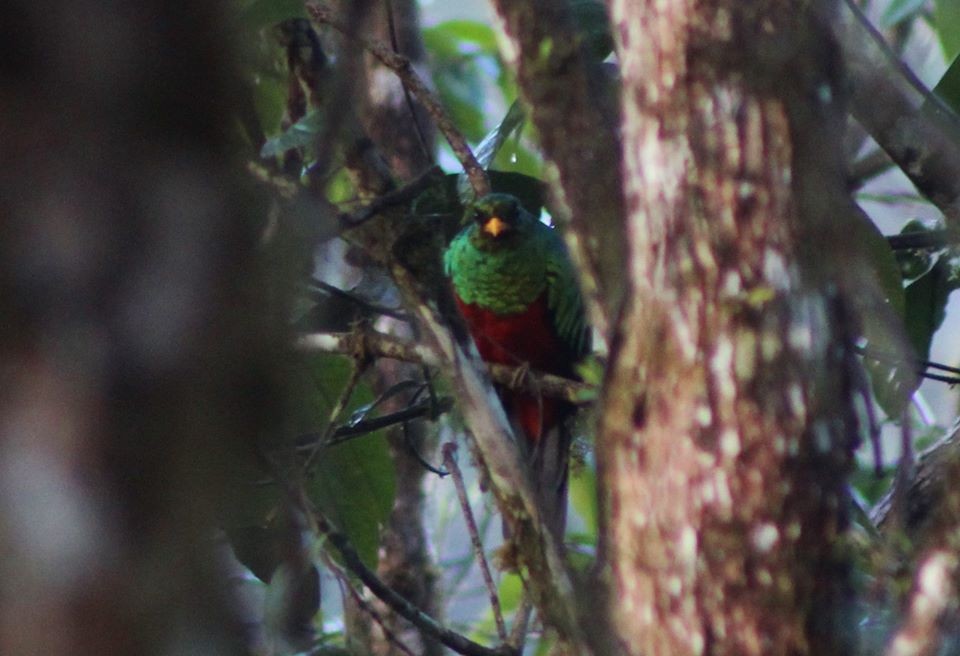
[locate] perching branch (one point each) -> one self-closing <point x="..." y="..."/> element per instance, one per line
<point x="380" y="345"/>
<point x="412" y="81"/>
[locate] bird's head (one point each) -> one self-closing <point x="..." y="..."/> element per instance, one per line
<point x="497" y="216"/>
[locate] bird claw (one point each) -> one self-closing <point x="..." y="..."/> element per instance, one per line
<point x="520" y="376"/>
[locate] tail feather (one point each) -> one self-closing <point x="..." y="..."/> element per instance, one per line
<point x="548" y="463"/>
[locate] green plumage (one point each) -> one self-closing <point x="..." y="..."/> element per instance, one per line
<point x="505" y="274"/>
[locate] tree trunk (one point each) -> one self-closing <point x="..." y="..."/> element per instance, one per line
<point x="134" y="353"/>
<point x="725" y="432"/>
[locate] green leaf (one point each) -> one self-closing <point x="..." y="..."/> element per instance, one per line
<point x="352" y="483"/>
<point x="880" y="258"/>
<point x="925" y="309"/>
<point x="926" y="303"/>
<point x="459" y="32"/>
<point x="457" y="72"/>
<point x="892" y="382"/>
<point x="302" y="133"/>
<point x="948" y="88"/>
<point x="593" y="26"/>
<point x="583" y="497"/>
<point x="947" y="15"/>
<point x="899" y="11"/>
<point x="914" y="262"/>
<point x="266" y="13"/>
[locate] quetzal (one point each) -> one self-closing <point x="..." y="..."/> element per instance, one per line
<point x="515" y="285"/>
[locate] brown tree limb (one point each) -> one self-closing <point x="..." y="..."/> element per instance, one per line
<point x="906" y="120"/>
<point x="724" y="170"/>
<point x="381" y="345"/>
<point x="571" y="101"/>
<point x="404" y="70"/>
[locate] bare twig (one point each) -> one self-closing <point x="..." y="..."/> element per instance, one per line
<point x="920" y="366"/>
<point x="427" y="624"/>
<point x="404" y="195"/>
<point x="412" y="81"/>
<point x="395" y="44"/>
<point x="521" y="621"/>
<point x="338" y="408"/>
<point x="331" y="290"/>
<point x="380" y="345"/>
<point x="423" y="410"/>
<point x="362" y="603"/>
<point x="450" y="462"/>
<point x="868" y="167"/>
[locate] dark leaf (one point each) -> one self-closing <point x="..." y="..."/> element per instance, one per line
<point x="593" y="26"/>
<point x="267" y="13"/>
<point x="948" y="88"/>
<point x="914" y="263"/>
<point x="352" y="483"/>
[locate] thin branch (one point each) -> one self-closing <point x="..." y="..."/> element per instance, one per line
<point x="331" y="290"/>
<point x="402" y="67"/>
<point x="920" y="366"/>
<point x="449" y="449"/>
<point x="427" y="624"/>
<point x="518" y="633"/>
<point x="380" y="345"/>
<point x="321" y="526"/>
<point x="395" y="44"/>
<point x="338" y="407"/>
<point x="344" y="582"/>
<point x="401" y="196"/>
<point x="929" y="239"/>
<point x="868" y="167"/>
<point x="424" y="410"/>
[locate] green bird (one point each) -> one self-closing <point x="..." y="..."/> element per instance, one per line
<point x="515" y="285"/>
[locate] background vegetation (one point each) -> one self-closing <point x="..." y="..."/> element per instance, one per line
<point x="237" y="401"/>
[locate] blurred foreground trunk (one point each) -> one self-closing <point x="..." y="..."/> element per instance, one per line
<point x="726" y="430"/>
<point x="133" y="348"/>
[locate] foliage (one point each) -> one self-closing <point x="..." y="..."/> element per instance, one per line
<point x="352" y="483"/>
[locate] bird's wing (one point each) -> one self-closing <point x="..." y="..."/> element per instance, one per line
<point x="563" y="298"/>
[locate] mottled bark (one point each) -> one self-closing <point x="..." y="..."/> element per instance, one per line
<point x="725" y="432"/>
<point x="132" y="358"/>
<point x="569" y="99"/>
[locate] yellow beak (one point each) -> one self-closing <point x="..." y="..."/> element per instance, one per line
<point x="495" y="225"/>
